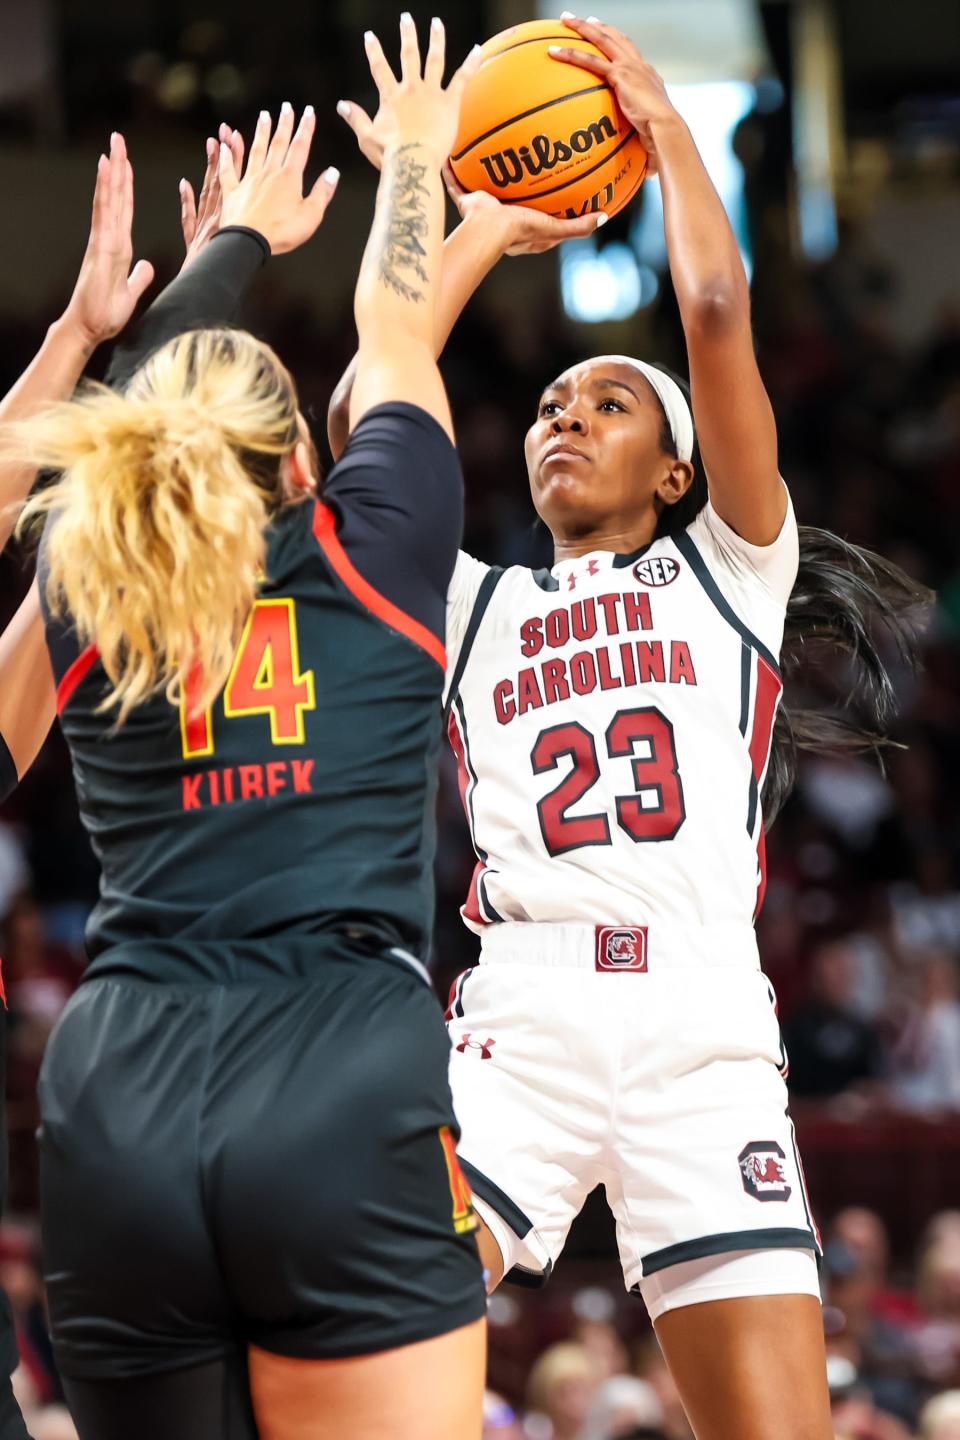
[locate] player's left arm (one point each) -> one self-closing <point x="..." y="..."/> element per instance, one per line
<point x="732" y="412"/>
<point x="103" y="299"/>
<point x="28" y="699"/>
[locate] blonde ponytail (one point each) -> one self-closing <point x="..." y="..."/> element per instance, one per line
<point x="157" y="522"/>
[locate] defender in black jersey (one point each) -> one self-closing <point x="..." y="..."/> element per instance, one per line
<point x="248" y="1145"/>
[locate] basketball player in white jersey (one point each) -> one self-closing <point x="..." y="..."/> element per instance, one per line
<point x="613" y="721"/>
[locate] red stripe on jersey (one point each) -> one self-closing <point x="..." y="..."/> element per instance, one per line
<point x="769" y="687"/>
<point x="81" y="667"/>
<point x="451" y="998"/>
<point x="325" y="530"/>
<point x="471" y="907"/>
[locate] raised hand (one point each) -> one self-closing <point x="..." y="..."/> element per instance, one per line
<point x="269" y="197"/>
<point x="417" y="102"/>
<point x="200" y="221"/>
<point x="107" y="290"/>
<point x="640" y="91"/>
<point x="521" y="230"/>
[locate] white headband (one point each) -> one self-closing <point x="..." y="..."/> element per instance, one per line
<point x="672" y="399"/>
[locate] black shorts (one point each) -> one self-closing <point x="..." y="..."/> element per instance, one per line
<point x="263" y="1163"/>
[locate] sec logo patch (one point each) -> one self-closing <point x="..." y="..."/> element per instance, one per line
<point x="656" y="570"/>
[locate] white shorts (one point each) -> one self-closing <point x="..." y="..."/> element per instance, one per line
<point x="649" y="1061"/>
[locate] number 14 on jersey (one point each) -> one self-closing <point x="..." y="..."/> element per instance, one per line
<point x="265" y="679"/>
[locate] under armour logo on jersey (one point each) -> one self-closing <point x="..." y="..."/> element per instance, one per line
<point x="592" y="568"/>
<point x="484" y="1046"/>
<point x="656" y="570"/>
<point x="762" y="1172"/>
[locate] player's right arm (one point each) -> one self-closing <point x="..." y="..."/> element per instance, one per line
<point x="488" y="230"/>
<point x="396" y="299"/>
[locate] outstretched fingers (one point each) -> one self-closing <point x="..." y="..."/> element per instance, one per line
<point x="436" y="52"/>
<point x="383" y="76"/>
<point x="322" y="193"/>
<point x="139" y="278"/>
<point x="227" y="172"/>
<point x="188" y="212"/>
<point x="410" y="64"/>
<point x="260" y="145"/>
<point x="356" y="117"/>
<point x="299" y="149"/>
<point x="466" y="71"/>
<point x="280" y="144"/>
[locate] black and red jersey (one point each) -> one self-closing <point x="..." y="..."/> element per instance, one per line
<point x="303" y="799"/>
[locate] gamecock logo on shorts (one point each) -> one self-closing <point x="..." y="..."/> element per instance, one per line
<point x="621" y="948"/>
<point x="657" y="570"/>
<point x="761" y="1170"/>
<point x="485" y="1047"/>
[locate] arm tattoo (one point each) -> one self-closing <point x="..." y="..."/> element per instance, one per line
<point x="406" y="226"/>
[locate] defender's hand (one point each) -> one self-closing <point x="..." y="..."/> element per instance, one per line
<point x="269" y="198"/>
<point x="107" y="290"/>
<point x="201" y="221"/>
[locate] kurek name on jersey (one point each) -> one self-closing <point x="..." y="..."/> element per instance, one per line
<point x="612" y="722"/>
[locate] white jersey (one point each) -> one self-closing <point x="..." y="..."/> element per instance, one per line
<point x="612" y="720"/>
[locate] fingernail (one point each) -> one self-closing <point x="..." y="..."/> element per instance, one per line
<point x="211" y="146"/>
<point x="602" y="218"/>
<point x="307" y="110"/>
<point x="475" y="51"/>
<point x="286" y="108"/>
<point x="554" y="49"/>
<point x="264" y="116"/>
<point x="567" y="15"/>
<point x="594" y="20"/>
<point x="331" y="174"/>
<point x="343" y="107"/>
<point x="368" y="35"/>
<point x="406" y="18"/>
<point x="113" y="136"/>
<point x="182" y="186"/>
<point x="436" y="23"/>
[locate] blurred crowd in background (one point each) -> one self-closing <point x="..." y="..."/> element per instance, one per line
<point x="860" y="933"/>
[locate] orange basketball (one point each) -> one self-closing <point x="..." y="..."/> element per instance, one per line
<point x="534" y="131"/>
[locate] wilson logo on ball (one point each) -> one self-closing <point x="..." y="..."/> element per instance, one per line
<point x="506" y="167"/>
<point x="657" y="570"/>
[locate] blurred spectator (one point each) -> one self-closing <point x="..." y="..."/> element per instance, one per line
<point x="865" y="1237"/>
<point x="927" y="1052"/>
<point x="937" y="1337"/>
<point x="20" y="1278"/>
<point x="830" y="1047"/>
<point x="855" y="1416"/>
<point x="14" y="871"/>
<point x="652" y="1368"/>
<point x="940" y="1417"/>
<point x="622" y="1406"/>
<point x="561" y="1388"/>
<point x="500" y="1421"/>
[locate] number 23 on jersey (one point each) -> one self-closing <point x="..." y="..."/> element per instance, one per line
<point x="265" y="680"/>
